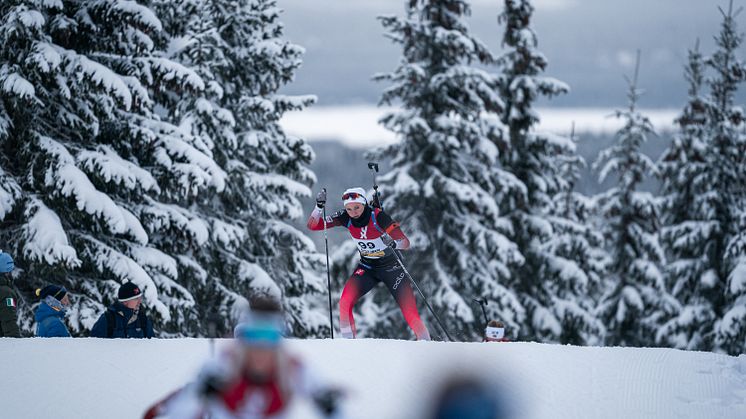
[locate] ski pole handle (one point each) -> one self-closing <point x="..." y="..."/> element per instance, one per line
<point x="373" y="167"/>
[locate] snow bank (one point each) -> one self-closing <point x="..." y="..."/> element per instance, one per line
<point x="96" y="378"/>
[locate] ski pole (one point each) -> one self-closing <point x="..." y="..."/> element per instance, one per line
<point x="482" y="303"/>
<point x="328" y="275"/>
<point x="417" y="287"/>
<point x="211" y="329"/>
<point x="373" y="167"/>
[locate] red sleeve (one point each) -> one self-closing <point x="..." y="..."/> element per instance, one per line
<point x="315" y="223"/>
<point x="402" y="241"/>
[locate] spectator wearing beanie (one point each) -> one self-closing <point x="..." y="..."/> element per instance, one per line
<point x="51" y="311"/>
<point x="124" y="319"/>
<point x="8" y="317"/>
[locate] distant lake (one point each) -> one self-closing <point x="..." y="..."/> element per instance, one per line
<point x="357" y="125"/>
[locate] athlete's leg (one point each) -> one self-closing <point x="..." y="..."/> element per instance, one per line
<point x="358" y="285"/>
<point x="401" y="289"/>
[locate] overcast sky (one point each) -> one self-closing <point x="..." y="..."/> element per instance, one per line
<point x="590" y="45"/>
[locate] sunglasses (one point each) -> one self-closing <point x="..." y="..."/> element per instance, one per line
<point x="350" y="195"/>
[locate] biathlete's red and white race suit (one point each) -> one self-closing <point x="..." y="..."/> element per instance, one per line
<point x="378" y="263"/>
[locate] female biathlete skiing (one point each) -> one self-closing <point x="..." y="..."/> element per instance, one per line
<point x="378" y="263"/>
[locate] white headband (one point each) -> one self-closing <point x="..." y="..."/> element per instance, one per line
<point x="494" y="332"/>
<point x="359" y="199"/>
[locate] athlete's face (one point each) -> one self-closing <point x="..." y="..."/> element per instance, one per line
<point x="260" y="363"/>
<point x="354" y="209"/>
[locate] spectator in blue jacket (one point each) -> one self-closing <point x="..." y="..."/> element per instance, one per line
<point x="51" y="311"/>
<point x="125" y="318"/>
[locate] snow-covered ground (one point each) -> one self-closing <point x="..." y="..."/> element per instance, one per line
<point x="92" y="378"/>
<point x="357" y="125"/>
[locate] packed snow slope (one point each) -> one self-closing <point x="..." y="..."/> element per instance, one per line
<point x="95" y="378"/>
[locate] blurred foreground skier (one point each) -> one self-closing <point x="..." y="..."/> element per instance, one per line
<point x="254" y="378"/>
<point x="378" y="263"/>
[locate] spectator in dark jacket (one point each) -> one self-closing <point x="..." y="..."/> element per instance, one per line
<point x="8" y="318"/>
<point x="125" y="318"/>
<point x="51" y="311"/>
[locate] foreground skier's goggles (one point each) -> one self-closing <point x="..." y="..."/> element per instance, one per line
<point x="350" y="195"/>
<point x="259" y="336"/>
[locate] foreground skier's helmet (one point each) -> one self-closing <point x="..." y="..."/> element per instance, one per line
<point x="354" y="195"/>
<point x="262" y="326"/>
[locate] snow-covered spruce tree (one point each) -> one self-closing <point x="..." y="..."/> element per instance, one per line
<point x="87" y="153"/>
<point x="445" y="182"/>
<point x="237" y="48"/>
<point x="550" y="283"/>
<point x="633" y="301"/>
<point x="689" y="227"/>
<point x="578" y="242"/>
<point x="727" y="163"/>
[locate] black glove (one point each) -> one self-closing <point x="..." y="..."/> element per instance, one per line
<point x="327" y="400"/>
<point x="321" y="198"/>
<point x="213" y="379"/>
<point x="211" y="386"/>
<point x="376" y="201"/>
<point x="392" y="244"/>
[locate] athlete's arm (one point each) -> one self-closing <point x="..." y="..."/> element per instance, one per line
<point x="315" y="222"/>
<point x="393" y="229"/>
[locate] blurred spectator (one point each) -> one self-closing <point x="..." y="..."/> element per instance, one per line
<point x="125" y="318"/>
<point x="467" y="398"/>
<point x="254" y="378"/>
<point x="495" y="332"/>
<point x="51" y="311"/>
<point x="8" y="317"/>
